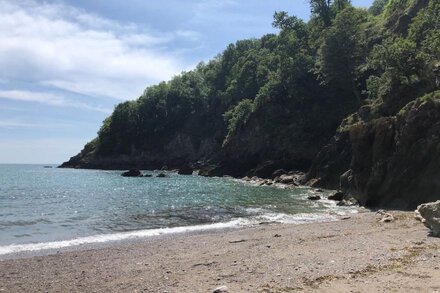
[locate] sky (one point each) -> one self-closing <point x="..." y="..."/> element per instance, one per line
<point x="66" y="64"/>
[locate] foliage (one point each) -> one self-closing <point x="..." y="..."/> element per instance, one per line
<point x="238" y="115"/>
<point x="294" y="87"/>
<point x="377" y="7"/>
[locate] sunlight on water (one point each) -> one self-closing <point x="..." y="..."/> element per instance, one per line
<point x="41" y="205"/>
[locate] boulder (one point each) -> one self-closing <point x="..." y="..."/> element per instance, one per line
<point x="132" y="173"/>
<point x="430" y="212"/>
<point x="348" y="201"/>
<point x="314" y="197"/>
<point x="161" y="175"/>
<point x="287" y="179"/>
<point x="186" y="170"/>
<point x="338" y="196"/>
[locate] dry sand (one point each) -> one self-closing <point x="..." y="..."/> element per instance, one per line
<point x="358" y="254"/>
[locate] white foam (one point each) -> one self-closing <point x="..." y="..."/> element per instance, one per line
<point x="16" y="248"/>
<point x="96" y="239"/>
<point x="297" y="218"/>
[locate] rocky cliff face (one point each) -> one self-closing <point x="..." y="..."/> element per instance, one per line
<point x="389" y="161"/>
<point x="181" y="150"/>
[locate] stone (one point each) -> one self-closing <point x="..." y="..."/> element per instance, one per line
<point x="386" y="217"/>
<point x="132" y="173"/>
<point x="314" y="197"/>
<point x="186" y="170"/>
<point x="430" y="212"/>
<point x="348" y="201"/>
<point x="287" y="179"/>
<point x="338" y="196"/>
<point x="222" y="289"/>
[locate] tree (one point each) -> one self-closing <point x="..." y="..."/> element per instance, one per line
<point x="326" y="10"/>
<point x="342" y="50"/>
<point x="322" y="9"/>
<point x="377" y="7"/>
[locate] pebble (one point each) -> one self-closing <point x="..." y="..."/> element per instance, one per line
<point x="222" y="289"/>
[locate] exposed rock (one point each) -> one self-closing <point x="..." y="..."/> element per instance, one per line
<point x="386" y="217"/>
<point x="161" y="175"/>
<point x="132" y="173"/>
<point x="148" y="175"/>
<point x="314" y="197"/>
<point x="430" y="212"/>
<point x="348" y="201"/>
<point x="287" y="179"/>
<point x="246" y="178"/>
<point x="186" y="170"/>
<point x="337" y="196"/>
<point x="393" y="161"/>
<point x="222" y="289"/>
<point x="418" y="217"/>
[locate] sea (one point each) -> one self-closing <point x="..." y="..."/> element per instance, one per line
<point x="44" y="208"/>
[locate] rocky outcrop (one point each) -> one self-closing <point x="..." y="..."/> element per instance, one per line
<point x="393" y="161"/>
<point x="430" y="213"/>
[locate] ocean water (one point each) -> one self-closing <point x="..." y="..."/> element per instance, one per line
<point x="43" y="208"/>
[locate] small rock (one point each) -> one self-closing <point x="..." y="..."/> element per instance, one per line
<point x="386" y="217"/>
<point x="348" y="202"/>
<point x="287" y="179"/>
<point x="338" y="196"/>
<point x="277" y="235"/>
<point x="222" y="289"/>
<point x="314" y="197"/>
<point x="186" y="170"/>
<point x="148" y="175"/>
<point x="132" y="173"/>
<point x="161" y="175"/>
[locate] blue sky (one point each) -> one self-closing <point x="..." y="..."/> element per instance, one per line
<point x="66" y="64"/>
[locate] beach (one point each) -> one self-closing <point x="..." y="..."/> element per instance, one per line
<point x="355" y="254"/>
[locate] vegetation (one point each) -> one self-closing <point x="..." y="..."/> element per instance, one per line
<point x="281" y="97"/>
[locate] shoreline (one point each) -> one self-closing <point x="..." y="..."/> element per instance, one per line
<point x="358" y="252"/>
<point x="29" y="250"/>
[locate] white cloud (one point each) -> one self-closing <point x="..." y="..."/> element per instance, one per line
<point x="60" y="46"/>
<point x="48" y="99"/>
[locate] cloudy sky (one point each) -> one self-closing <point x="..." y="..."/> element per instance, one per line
<point x="65" y="64"/>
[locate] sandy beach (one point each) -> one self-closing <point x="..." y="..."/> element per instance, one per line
<point x="357" y="254"/>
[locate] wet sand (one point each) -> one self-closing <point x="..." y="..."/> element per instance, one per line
<point x="358" y="254"/>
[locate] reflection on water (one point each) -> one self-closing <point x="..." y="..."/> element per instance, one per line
<point x="40" y="204"/>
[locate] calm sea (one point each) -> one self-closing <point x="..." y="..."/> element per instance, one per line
<point x="43" y="208"/>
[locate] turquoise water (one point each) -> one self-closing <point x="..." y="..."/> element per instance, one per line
<point x="45" y="205"/>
